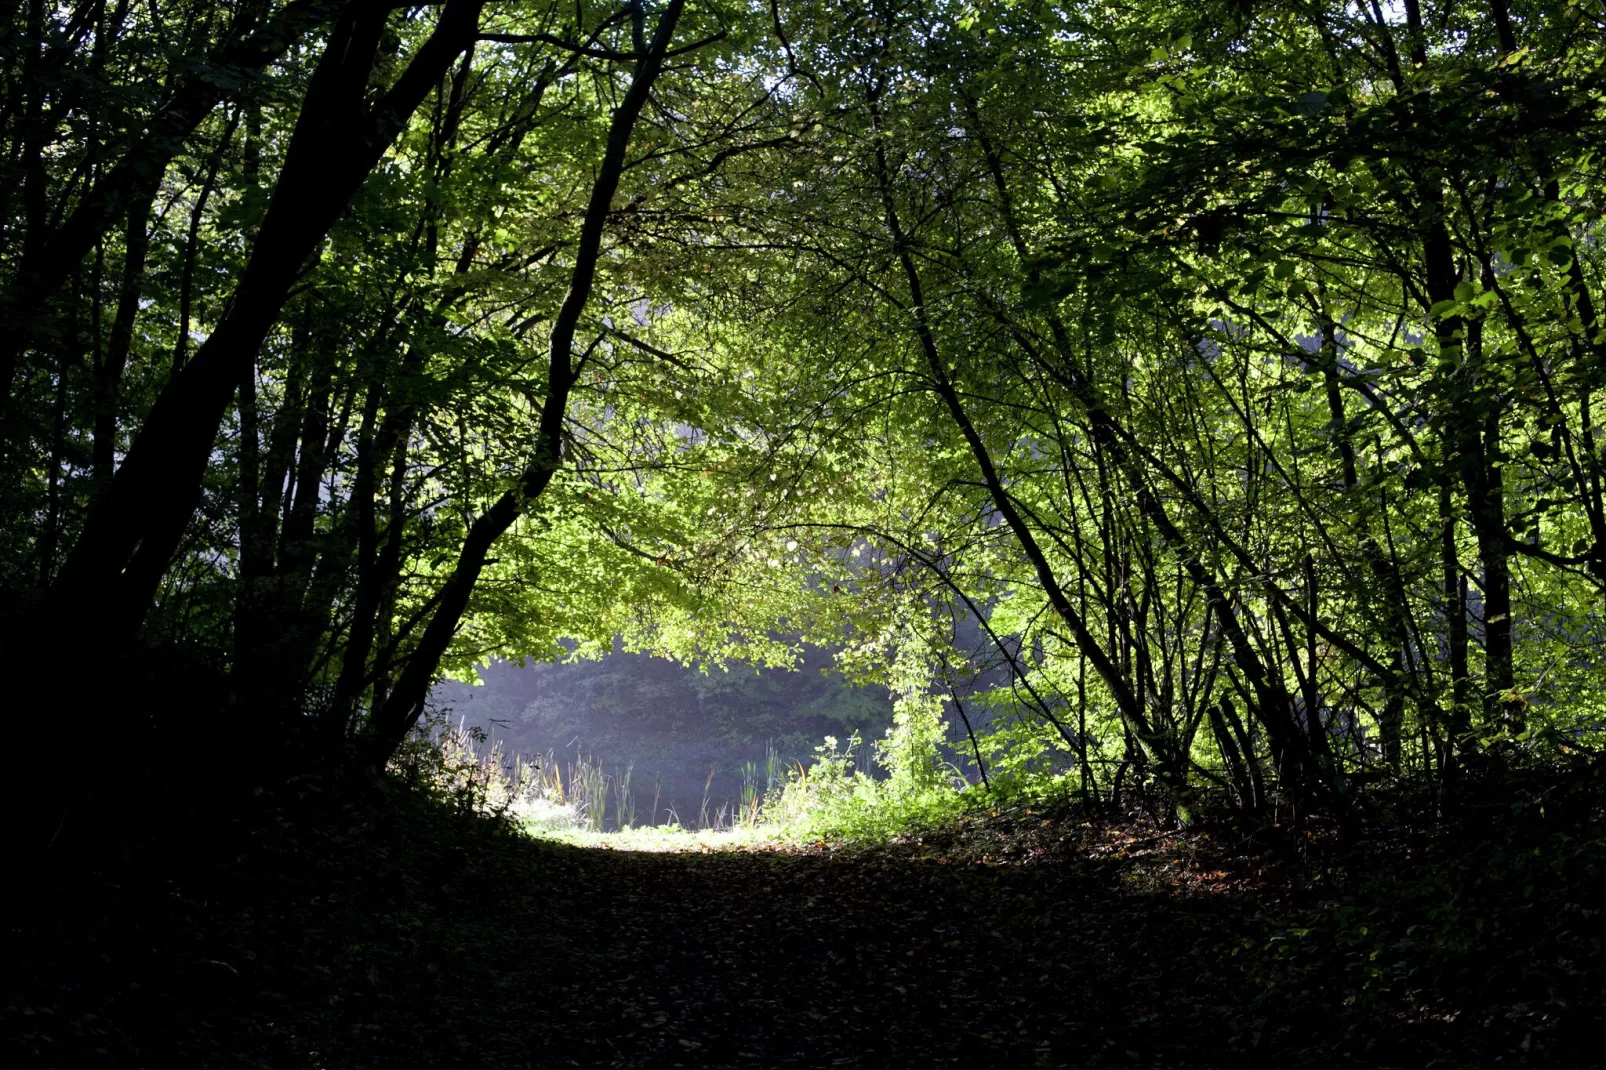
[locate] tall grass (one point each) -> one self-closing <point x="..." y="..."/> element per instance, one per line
<point x="624" y="800"/>
<point x="761" y="786"/>
<point x="545" y="793"/>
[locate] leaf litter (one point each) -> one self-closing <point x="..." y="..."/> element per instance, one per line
<point x="1018" y="938"/>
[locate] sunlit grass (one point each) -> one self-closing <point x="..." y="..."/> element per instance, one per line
<point x="658" y="838"/>
<point x="576" y="802"/>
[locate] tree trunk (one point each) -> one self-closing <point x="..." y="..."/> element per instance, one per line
<point x="136" y="526"/>
<point x="111" y="365"/>
<point x="49" y="259"/>
<point x="1391" y="586"/>
<point x="1454" y="589"/>
<point x="1131" y="710"/>
<point x="392" y="721"/>
<point x="1306" y="775"/>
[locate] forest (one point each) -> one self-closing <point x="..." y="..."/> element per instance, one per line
<point x="1174" y="422"/>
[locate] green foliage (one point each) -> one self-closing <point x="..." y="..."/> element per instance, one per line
<point x="454" y="763"/>
<point x="1205" y="398"/>
<point x="833" y="799"/>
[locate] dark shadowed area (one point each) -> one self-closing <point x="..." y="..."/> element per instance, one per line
<point x="396" y="933"/>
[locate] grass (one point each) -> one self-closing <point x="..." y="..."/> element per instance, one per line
<point x="660" y="838"/>
<point x="580" y="803"/>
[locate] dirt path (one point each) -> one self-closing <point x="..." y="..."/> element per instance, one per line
<point x="1023" y="942"/>
<point x="748" y="960"/>
<point x="1064" y="947"/>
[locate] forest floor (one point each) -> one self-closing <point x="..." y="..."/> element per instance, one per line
<point x="403" y="935"/>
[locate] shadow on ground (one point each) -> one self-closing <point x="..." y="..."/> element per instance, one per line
<point x="411" y="937"/>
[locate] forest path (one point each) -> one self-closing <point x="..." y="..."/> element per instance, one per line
<point x="405" y="937"/>
<point x="914" y="957"/>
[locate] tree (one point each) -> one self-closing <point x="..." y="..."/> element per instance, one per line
<point x="1117" y="257"/>
<point x="1234" y="369"/>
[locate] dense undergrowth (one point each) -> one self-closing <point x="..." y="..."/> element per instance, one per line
<point x="385" y="923"/>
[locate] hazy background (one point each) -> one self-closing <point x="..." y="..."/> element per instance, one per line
<point x="673" y="725"/>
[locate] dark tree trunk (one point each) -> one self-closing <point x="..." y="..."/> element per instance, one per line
<point x="137" y="524"/>
<point x="1481" y="467"/>
<point x="1391" y="586"/>
<point x="48" y="259"/>
<point x="110" y="367"/>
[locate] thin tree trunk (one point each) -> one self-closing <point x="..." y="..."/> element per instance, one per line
<point x="186" y="286"/>
<point x="1127" y="704"/>
<point x="392" y="721"/>
<point x="1384" y="569"/>
<point x="1307" y="775"/>
<point x="1480" y="460"/>
<point x="1454" y="591"/>
<point x="111" y="366"/>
